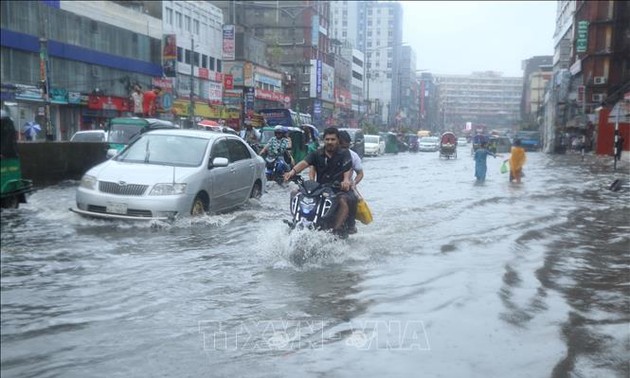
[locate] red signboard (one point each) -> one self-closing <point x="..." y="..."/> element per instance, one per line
<point x="269" y="95"/>
<point x="108" y="103"/>
<point x="228" y="81"/>
<point x="203" y="73"/>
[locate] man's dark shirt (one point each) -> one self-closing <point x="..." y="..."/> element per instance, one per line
<point x="330" y="169"/>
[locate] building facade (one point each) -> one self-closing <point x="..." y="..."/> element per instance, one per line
<point x="75" y="78"/>
<point x="482" y="98"/>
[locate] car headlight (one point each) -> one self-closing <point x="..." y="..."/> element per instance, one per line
<point x="167" y="189"/>
<point x="88" y="182"/>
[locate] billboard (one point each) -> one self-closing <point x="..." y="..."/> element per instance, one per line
<point x="229" y="42"/>
<point x="169" y="55"/>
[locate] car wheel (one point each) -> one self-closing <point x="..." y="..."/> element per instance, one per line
<point x="199" y="206"/>
<point x="256" y="190"/>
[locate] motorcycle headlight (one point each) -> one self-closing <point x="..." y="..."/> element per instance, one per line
<point x="88" y="182"/>
<point x="167" y="189"/>
<point x="307" y="205"/>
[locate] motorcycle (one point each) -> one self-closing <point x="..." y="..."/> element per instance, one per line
<point x="314" y="206"/>
<point x="275" y="169"/>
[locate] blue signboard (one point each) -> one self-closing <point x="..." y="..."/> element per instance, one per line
<point x="318" y="79"/>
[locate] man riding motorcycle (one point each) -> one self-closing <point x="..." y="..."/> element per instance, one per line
<point x="279" y="145"/>
<point x="332" y="164"/>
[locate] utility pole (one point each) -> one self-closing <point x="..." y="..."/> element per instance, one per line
<point x="192" y="82"/>
<point x="45" y="86"/>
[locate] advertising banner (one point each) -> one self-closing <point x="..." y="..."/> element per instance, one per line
<point x="318" y="79"/>
<point x="327" y="82"/>
<point x="169" y="55"/>
<point x="229" y="42"/>
<point x="228" y="81"/>
<point x="235" y="69"/>
<point x="166" y="97"/>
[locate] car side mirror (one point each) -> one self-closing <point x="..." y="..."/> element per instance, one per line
<point x="111" y="153"/>
<point x="218" y="162"/>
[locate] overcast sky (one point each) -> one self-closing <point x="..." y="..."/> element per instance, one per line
<point x="453" y="37"/>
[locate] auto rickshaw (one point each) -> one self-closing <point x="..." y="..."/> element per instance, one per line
<point x="448" y="145"/>
<point x="391" y="142"/>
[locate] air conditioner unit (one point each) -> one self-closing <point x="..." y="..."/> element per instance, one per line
<point x="598" y="97"/>
<point x="599" y="80"/>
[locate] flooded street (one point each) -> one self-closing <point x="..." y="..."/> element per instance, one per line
<point x="452" y="279"/>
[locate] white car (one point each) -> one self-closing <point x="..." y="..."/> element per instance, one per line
<point x="96" y="136"/>
<point x="429" y="143"/>
<point x="462" y="142"/>
<point x="166" y="174"/>
<point x="374" y="145"/>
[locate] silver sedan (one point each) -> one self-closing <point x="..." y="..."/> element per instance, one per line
<point x="167" y="174"/>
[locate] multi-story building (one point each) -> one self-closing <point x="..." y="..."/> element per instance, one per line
<point x="85" y="54"/>
<point x="537" y="71"/>
<point x="298" y="45"/>
<point x="591" y="40"/>
<point x="342" y="114"/>
<point x="383" y="55"/>
<point x="429" y="104"/>
<point x="196" y="28"/>
<point x="407" y="84"/>
<point x="358" y="83"/>
<point x="482" y="98"/>
<point x="347" y="22"/>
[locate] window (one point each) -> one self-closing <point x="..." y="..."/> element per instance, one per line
<point x="220" y="149"/>
<point x="196" y="27"/>
<point x="238" y="150"/>
<point x="169" y="16"/>
<point x="218" y="65"/>
<point x="196" y="59"/>
<point x="180" y="54"/>
<point x="178" y="19"/>
<point x="187" y="56"/>
<point x="211" y="64"/>
<point x="187" y="23"/>
<point x="389" y="75"/>
<point x="204" y="61"/>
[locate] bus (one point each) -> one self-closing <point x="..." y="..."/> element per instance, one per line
<point x="285" y="117"/>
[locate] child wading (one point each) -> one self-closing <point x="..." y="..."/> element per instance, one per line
<point x="480" y="161"/>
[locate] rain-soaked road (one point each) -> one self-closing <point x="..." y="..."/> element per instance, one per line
<point x="452" y="279"/>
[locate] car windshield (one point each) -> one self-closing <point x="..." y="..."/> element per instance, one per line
<point x="371" y="139"/>
<point x="89" y="137"/>
<point x="173" y="150"/>
<point x="429" y="140"/>
<point x="119" y="133"/>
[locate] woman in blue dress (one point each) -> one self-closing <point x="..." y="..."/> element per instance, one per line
<point x="481" y="154"/>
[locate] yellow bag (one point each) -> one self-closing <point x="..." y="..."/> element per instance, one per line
<point x="364" y="215"/>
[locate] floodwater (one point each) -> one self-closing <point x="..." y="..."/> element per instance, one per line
<point x="452" y="279"/>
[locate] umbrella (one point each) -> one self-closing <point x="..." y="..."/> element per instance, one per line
<point x="208" y="123"/>
<point x="31" y="128"/>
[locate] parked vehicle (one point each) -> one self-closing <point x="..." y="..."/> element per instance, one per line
<point x="95" y="136"/>
<point x="167" y="174"/>
<point x="13" y="188"/>
<point x="461" y="141"/>
<point x="499" y="144"/>
<point x="429" y="144"/>
<point x="530" y="140"/>
<point x="448" y="145"/>
<point x="374" y="145"/>
<point x="357" y="141"/>
<point x="391" y="142"/>
<point x="120" y="131"/>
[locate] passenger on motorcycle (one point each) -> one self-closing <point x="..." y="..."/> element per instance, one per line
<point x="332" y="164"/>
<point x="250" y="135"/>
<point x="279" y="145"/>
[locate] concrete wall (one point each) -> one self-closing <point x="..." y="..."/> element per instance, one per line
<point x="49" y="163"/>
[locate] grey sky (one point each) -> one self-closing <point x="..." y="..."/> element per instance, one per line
<point x="453" y="37"/>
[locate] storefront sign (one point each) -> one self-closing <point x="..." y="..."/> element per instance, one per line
<point x="318" y="79"/>
<point x="108" y="103"/>
<point x="235" y="69"/>
<point x="269" y="95"/>
<point x="249" y="99"/>
<point x="342" y="98"/>
<point x="204" y="73"/>
<point x="215" y="92"/>
<point x="581" y="42"/>
<point x="248" y="75"/>
<point x="74" y="98"/>
<point x="58" y="96"/>
<point x="166" y="97"/>
<point x="327" y="92"/>
<point x="228" y="82"/>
